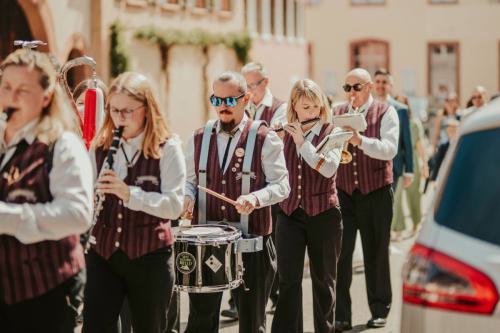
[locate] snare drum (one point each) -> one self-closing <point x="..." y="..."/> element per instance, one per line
<point x="206" y="259"/>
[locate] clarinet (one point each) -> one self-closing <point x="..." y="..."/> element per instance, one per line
<point x="99" y="196"/>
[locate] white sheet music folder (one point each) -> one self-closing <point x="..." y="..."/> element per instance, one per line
<point x="354" y="120"/>
<point x="332" y="141"/>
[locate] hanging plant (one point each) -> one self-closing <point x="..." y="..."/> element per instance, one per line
<point x="118" y="55"/>
<point x="241" y="43"/>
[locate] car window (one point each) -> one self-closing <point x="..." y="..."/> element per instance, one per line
<point x="470" y="200"/>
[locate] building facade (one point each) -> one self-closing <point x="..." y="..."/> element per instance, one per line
<point x="431" y="46"/>
<point x="183" y="67"/>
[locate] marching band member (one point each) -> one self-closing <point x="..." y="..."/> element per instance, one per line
<point x="310" y="217"/>
<point x="45" y="199"/>
<point x="132" y="254"/>
<point x="225" y="149"/>
<point x="366" y="199"/>
<point x="265" y="106"/>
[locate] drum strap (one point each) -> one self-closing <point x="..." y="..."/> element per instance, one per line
<point x="202" y="172"/>
<point x="246" y="170"/>
<point x="245" y="174"/>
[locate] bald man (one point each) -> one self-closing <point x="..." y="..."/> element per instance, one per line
<point x="366" y="198"/>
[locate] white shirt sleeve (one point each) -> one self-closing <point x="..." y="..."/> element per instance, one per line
<point x="279" y="116"/>
<point x="331" y="159"/>
<point x="70" y="211"/>
<point x="168" y="203"/>
<point x="274" y="166"/>
<point x="191" y="180"/>
<point x="386" y="148"/>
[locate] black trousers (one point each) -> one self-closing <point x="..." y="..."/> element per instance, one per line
<point x="275" y="287"/>
<point x="321" y="235"/>
<point x="53" y="312"/>
<point x="260" y="268"/>
<point x="372" y="215"/>
<point x="146" y="281"/>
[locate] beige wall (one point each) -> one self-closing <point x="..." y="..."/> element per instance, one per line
<point x="408" y="25"/>
<point x="285" y="62"/>
<point x="182" y="88"/>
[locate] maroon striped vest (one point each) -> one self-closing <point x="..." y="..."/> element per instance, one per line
<point x="309" y="189"/>
<point x="365" y="173"/>
<point x="269" y="111"/>
<point x="229" y="183"/>
<point x="134" y="232"/>
<point x="30" y="270"/>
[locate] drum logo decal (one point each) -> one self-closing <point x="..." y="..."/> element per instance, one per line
<point x="185" y="262"/>
<point x="213" y="263"/>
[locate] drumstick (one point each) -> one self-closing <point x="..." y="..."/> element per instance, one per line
<point x="217" y="195"/>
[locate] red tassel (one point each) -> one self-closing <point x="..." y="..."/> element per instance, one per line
<point x="89" y="116"/>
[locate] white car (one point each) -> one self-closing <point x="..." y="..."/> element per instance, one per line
<point x="451" y="279"/>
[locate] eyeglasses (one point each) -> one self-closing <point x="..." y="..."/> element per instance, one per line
<point x="357" y="87"/>
<point x="476" y="97"/>
<point x="229" y="101"/>
<point x="256" y="84"/>
<point x="125" y="113"/>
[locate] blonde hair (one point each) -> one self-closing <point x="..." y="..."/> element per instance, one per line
<point x="57" y="116"/>
<point x="136" y="86"/>
<point x="308" y="89"/>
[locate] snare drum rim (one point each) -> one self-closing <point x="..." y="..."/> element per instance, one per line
<point x="209" y="289"/>
<point x="233" y="236"/>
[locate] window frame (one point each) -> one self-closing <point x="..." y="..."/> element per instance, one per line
<point x="430" y="45"/>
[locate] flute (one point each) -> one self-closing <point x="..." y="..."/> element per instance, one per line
<point x="7" y="113"/>
<point x="305" y="122"/>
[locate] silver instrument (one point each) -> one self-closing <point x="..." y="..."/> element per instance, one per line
<point x="99" y="196"/>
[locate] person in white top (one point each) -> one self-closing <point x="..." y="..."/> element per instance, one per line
<point x="143" y="191"/>
<point x="366" y="200"/>
<point x="227" y="151"/>
<point x="263" y="104"/>
<point x="45" y="199"/>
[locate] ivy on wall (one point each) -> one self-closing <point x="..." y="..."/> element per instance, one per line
<point x="166" y="38"/>
<point x="239" y="42"/>
<point x="119" y="60"/>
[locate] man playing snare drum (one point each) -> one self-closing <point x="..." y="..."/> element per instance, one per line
<point x="243" y="160"/>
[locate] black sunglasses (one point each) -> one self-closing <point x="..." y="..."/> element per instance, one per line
<point x="229" y="101"/>
<point x="357" y="87"/>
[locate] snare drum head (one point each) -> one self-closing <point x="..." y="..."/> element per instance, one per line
<point x="202" y="231"/>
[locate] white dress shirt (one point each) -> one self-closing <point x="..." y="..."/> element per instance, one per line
<point x="386" y="147"/>
<point x="70" y="179"/>
<point x="279" y="117"/>
<point x="166" y="204"/>
<point x="308" y="152"/>
<point x="273" y="164"/>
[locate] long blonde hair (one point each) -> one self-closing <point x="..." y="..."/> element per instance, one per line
<point x="156" y="132"/>
<point x="57" y="116"/>
<point x="308" y="89"/>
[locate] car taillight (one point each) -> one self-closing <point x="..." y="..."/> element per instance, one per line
<point x="433" y="279"/>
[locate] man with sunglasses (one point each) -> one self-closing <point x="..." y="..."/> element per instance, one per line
<point x="403" y="162"/>
<point x="263" y="105"/>
<point x="217" y="157"/>
<point x="366" y="196"/>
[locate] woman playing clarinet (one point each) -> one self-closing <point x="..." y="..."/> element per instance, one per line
<point x="139" y="191"/>
<point x="45" y="199"/>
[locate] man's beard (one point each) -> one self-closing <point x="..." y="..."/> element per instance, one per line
<point x="228" y="126"/>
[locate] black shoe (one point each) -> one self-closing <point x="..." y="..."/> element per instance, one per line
<point x="230" y="313"/>
<point x="341" y="326"/>
<point x="376" y="322"/>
